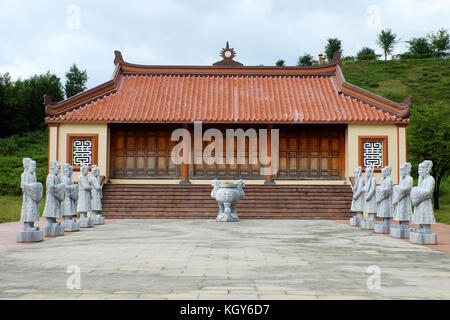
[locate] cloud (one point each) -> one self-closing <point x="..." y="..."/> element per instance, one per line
<point x="36" y="36"/>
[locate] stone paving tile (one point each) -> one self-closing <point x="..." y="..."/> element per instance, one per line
<point x="342" y="297"/>
<point x="202" y="259"/>
<point x="286" y="297"/>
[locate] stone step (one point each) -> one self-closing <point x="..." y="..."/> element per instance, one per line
<point x="268" y="211"/>
<point x="175" y="215"/>
<point x="247" y="192"/>
<point x="261" y="188"/>
<point x="260" y="202"/>
<point x="290" y="201"/>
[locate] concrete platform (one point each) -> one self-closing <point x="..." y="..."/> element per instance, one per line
<point x="204" y="259"/>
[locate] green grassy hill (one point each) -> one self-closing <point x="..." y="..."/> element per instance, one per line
<point x="12" y="150"/>
<point x="426" y="80"/>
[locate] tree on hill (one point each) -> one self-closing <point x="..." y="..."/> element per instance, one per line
<point x="333" y="45"/>
<point x="305" y="60"/>
<point x="366" y="54"/>
<point x="440" y="43"/>
<point x="76" y="81"/>
<point x="35" y="88"/>
<point x="22" y="104"/>
<point x="420" y="48"/>
<point x="429" y="139"/>
<point x="12" y="115"/>
<point x="280" y="63"/>
<point x="387" y="41"/>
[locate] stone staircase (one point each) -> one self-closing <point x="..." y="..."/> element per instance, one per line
<point x="136" y="201"/>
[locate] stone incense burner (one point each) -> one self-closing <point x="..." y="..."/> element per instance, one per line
<point x="227" y="196"/>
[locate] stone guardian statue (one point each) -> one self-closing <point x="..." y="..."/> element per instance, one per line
<point x="227" y="196"/>
<point x="96" y="194"/>
<point x="384" y="201"/>
<point x="71" y="195"/>
<point x="401" y="201"/>
<point x="370" y="204"/>
<point x="55" y="195"/>
<point x="32" y="192"/>
<point x="84" y="198"/>
<point x="358" y="198"/>
<point x="423" y="214"/>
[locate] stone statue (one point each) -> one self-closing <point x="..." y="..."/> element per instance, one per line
<point x="70" y="197"/>
<point x="55" y="195"/>
<point x="384" y="201"/>
<point x="84" y="198"/>
<point x="423" y="214"/>
<point x="227" y="196"/>
<point x="370" y="204"/>
<point x="401" y="201"/>
<point x="96" y="193"/>
<point x="32" y="192"/>
<point x="358" y="198"/>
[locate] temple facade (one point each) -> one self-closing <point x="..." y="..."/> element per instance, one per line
<point x="326" y="126"/>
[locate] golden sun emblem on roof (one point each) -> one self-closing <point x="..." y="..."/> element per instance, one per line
<point x="227" y="54"/>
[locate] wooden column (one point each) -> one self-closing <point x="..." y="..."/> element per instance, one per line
<point x="185" y="163"/>
<point x="342" y="153"/>
<point x="269" y="176"/>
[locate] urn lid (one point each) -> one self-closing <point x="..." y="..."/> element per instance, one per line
<point x="228" y="185"/>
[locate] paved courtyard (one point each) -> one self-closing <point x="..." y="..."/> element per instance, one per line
<point x="203" y="259"/>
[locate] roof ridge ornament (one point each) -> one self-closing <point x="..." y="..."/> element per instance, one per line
<point x="227" y="55"/>
<point x="118" y="57"/>
<point x="337" y="58"/>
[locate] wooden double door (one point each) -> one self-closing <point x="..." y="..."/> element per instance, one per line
<point x="142" y="152"/>
<point x="312" y="152"/>
<point x="305" y="152"/>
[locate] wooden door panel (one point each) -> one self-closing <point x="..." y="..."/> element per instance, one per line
<point x="311" y="153"/>
<point x="142" y="153"/>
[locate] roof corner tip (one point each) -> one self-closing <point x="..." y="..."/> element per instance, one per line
<point x="407" y="101"/>
<point x="337" y="58"/>
<point x="118" y="57"/>
<point x="407" y="104"/>
<point x="48" y="100"/>
<point x="48" y="103"/>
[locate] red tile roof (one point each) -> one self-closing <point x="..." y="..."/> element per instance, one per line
<point x="142" y="94"/>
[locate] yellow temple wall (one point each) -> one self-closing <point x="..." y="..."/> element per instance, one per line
<point x="58" y="143"/>
<point x="396" y="146"/>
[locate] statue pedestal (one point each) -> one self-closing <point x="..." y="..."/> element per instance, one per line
<point x="227" y="217"/>
<point x="71" y="225"/>
<point x="400" y="230"/>
<point x="356" y="220"/>
<point x="382" y="226"/>
<point x="85" y="221"/>
<point x="30" y="235"/>
<point x="55" y="229"/>
<point x="416" y="236"/>
<point x="97" y="218"/>
<point x="369" y="223"/>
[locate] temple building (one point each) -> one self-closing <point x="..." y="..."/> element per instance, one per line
<point x="327" y="126"/>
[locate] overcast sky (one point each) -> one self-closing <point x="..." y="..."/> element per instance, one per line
<point x="37" y="36"/>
